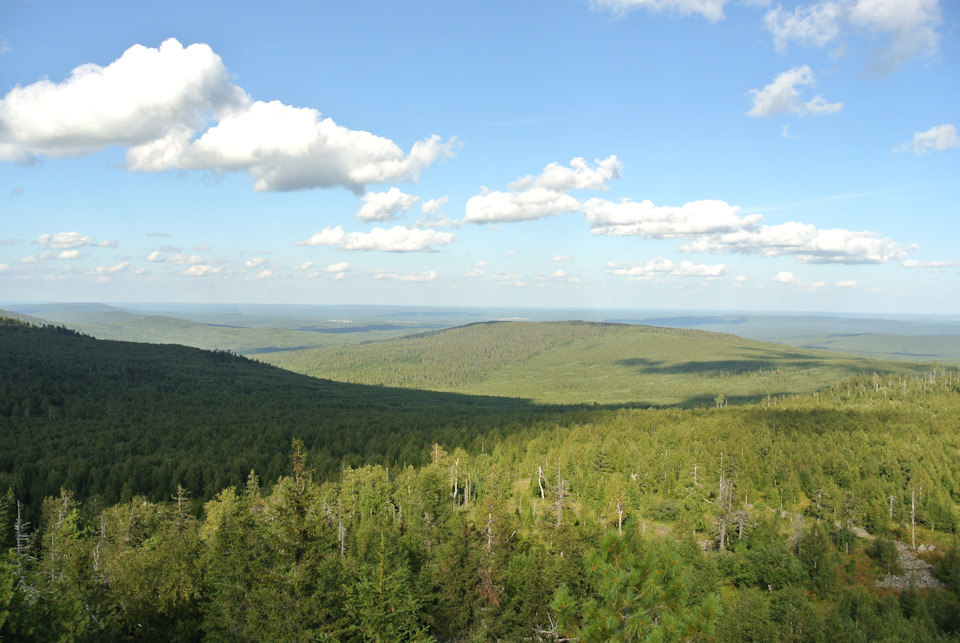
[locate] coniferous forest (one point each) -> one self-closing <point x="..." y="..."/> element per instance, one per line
<point x="166" y="493"/>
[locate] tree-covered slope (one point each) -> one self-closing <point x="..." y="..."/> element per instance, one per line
<point x="586" y="362"/>
<point x="118" y="418"/>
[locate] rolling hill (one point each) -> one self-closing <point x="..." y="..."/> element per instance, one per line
<point x="586" y="363"/>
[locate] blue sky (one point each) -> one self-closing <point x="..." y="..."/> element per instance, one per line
<point x="703" y="154"/>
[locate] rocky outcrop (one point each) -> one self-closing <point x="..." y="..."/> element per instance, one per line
<point x="916" y="573"/>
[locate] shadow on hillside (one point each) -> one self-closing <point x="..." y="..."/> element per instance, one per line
<point x="714" y="367"/>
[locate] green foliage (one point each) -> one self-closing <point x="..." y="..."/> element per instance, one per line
<point x="886" y="556"/>
<point x="815" y="550"/>
<point x="637" y="592"/>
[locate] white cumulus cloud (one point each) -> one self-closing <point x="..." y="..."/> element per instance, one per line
<point x="812" y="25"/>
<point x="201" y="270"/>
<point x="913" y="263"/>
<point x="104" y="270"/>
<point x="910" y="25"/>
<point x="434" y="206"/>
<point x="936" y="139"/>
<point x="806" y="243"/>
<point x="907" y="28"/>
<point x="579" y="176"/>
<point x="710" y="9"/>
<point x="383" y="206"/>
<point x="180" y="259"/>
<point x="535" y="197"/>
<point x="535" y="203"/>
<point x="144" y="95"/>
<point x="782" y="96"/>
<point x="253" y="263"/>
<point x="430" y="275"/>
<point x="643" y="218"/>
<point x="848" y="283"/>
<point x="396" y="239"/>
<point x="64" y="240"/>
<point x="785" y="277"/>
<point x="663" y="267"/>
<point x="290" y="148"/>
<point x="174" y="108"/>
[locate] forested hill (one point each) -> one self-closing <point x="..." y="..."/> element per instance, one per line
<point x="587" y="362"/>
<point x="117" y="419"/>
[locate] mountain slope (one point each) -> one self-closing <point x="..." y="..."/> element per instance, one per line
<point x="116" y="418"/>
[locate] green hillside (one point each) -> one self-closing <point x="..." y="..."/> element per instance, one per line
<point x="114" y="419"/>
<point x="586" y="362"/>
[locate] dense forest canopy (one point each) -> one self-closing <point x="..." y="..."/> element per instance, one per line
<point x="778" y="520"/>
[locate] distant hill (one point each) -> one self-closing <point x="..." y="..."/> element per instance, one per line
<point x="902" y="337"/>
<point x="238" y="333"/>
<point x="587" y="362"/>
<point x="111" y="419"/>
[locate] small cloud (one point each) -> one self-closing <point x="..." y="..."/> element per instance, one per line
<point x="154" y="256"/>
<point x="561" y="259"/>
<point x="663" y="267"/>
<point x="434" y="206"/>
<point x="342" y="266"/>
<point x="64" y="240"/>
<point x="201" y="248"/>
<point x="306" y="265"/>
<point x="712" y="10"/>
<point x="563" y="276"/>
<point x="16" y="191"/>
<point x="158" y="234"/>
<point x="912" y="263"/>
<point x="473" y="274"/>
<point x="430" y="275"/>
<point x="535" y="197"/>
<point x="482" y="263"/>
<point x="512" y="253"/>
<point x="396" y="239"/>
<point x="108" y="243"/>
<point x="69" y="254"/>
<point x="785" y="277"/>
<point x="812" y="287"/>
<point x="845" y="284"/>
<point x="384" y="206"/>
<point x="102" y="270"/>
<point x="782" y="96"/>
<point x="202" y="270"/>
<point x="181" y="259"/>
<point x="263" y="274"/>
<point x="253" y="263"/>
<point x="936" y="139"/>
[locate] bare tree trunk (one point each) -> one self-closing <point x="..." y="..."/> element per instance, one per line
<point x="913" y="518"/>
